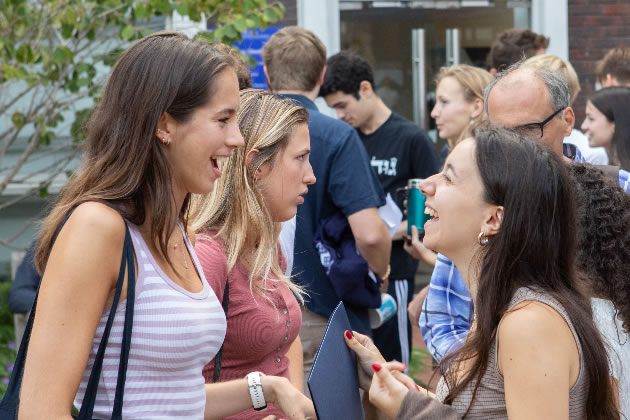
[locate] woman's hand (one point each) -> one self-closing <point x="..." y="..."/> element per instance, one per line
<point x="417" y="250"/>
<point x="387" y="392"/>
<point x="280" y="392"/>
<point x="367" y="355"/>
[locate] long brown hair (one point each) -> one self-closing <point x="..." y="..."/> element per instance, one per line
<point x="535" y="248"/>
<point x="124" y="164"/>
<point x="236" y="209"/>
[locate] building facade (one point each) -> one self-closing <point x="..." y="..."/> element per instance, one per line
<point x="407" y="42"/>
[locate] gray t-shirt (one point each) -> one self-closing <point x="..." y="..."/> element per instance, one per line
<point x="618" y="345"/>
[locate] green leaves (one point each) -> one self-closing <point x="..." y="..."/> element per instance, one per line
<point x="18" y="119"/>
<point x="127" y="33"/>
<point x="54" y="53"/>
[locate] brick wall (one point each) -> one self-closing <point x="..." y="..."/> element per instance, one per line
<point x="595" y="26"/>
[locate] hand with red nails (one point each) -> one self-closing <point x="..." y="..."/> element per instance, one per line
<point x="367" y="354"/>
<point x="387" y="393"/>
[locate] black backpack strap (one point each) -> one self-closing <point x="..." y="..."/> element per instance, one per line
<point x="219" y="357"/>
<point x="89" y="399"/>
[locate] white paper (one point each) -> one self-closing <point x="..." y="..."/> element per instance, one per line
<point x="391" y="215"/>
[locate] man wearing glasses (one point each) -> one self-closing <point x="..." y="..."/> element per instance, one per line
<point x="534" y="102"/>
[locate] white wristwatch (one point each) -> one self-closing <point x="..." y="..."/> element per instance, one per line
<point x="256" y="390"/>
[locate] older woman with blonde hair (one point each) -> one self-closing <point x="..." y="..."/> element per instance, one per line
<point x="237" y="228"/>
<point x="459" y="101"/>
<point x="458" y="111"/>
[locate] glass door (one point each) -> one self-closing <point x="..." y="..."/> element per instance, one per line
<point x="453" y="31"/>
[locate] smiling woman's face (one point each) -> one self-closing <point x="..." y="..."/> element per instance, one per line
<point x="455" y="198"/>
<point x="597" y="128"/>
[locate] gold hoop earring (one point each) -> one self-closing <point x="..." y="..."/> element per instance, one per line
<point x="482" y="238"/>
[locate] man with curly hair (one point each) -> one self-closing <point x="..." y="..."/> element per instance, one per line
<point x="399" y="150"/>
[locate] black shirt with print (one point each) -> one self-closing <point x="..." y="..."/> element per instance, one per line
<point x="400" y="150"/>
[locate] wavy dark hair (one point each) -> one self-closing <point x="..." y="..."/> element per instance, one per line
<point x="535" y="248"/>
<point x="603" y="253"/>
<point x="614" y="103"/>
<point x="124" y="164"/>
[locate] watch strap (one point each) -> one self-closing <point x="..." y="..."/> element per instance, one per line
<point x="256" y="391"/>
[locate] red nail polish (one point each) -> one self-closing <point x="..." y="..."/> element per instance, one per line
<point x="348" y="335"/>
<point x="376" y="367"/>
<point x="418" y="387"/>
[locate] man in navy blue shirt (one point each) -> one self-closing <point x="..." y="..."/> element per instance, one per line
<point x="295" y="62"/>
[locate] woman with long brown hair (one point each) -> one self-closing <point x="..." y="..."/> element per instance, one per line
<point x="503" y="210"/>
<point x="168" y="113"/>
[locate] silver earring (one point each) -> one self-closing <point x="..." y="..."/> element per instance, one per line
<point x="482" y="238"/>
<point x="166" y="140"/>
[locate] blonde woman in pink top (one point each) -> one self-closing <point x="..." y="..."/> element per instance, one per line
<point x="237" y="230"/>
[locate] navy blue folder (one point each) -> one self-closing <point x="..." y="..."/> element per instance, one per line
<point x="333" y="381"/>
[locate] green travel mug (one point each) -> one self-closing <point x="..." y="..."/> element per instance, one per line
<point x="415" y="206"/>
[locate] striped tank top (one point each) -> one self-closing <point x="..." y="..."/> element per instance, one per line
<point x="489" y="402"/>
<point x="175" y="333"/>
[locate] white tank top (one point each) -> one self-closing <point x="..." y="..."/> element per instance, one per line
<point x="175" y="333"/>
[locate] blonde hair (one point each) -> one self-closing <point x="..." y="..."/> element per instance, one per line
<point x="236" y="209"/>
<point x="556" y="64"/>
<point x="473" y="81"/>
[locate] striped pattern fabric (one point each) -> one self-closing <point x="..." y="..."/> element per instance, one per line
<point x="489" y="402"/>
<point x="175" y="333"/>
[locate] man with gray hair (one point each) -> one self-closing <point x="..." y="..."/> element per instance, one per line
<point x="534" y="102"/>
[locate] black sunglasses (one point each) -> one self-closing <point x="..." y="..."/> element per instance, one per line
<point x="533" y="128"/>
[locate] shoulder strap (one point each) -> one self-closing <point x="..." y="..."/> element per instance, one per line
<point x="89" y="400"/>
<point x="219" y="357"/>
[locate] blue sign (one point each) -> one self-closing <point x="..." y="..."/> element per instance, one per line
<point x="252" y="45"/>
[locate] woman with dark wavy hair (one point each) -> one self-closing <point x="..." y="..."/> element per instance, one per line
<point x="603" y="257"/>
<point x="503" y="210"/>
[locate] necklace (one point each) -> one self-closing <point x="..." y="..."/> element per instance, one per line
<point x="183" y="252"/>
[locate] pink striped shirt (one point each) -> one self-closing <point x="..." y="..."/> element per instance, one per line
<point x="175" y="333"/>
